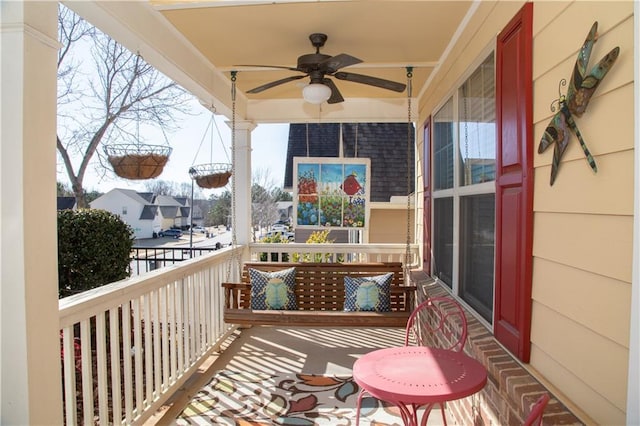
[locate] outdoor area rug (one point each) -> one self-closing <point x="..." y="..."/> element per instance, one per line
<point x="256" y="399"/>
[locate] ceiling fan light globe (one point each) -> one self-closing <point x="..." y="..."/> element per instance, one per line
<point x="316" y="93"/>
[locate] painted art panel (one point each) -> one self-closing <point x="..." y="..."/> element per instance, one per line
<point x="331" y="192"/>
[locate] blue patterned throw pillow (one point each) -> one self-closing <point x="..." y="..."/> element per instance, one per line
<point x="367" y="293"/>
<point x="273" y="290"/>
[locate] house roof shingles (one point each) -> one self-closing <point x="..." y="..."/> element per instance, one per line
<point x="148" y="212"/>
<point x="148" y="196"/>
<point x="169" y="212"/>
<point x="66" y="203"/>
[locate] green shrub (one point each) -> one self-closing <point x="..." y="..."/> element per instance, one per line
<point x="94" y="248"/>
<point x="274" y="239"/>
<point x="317" y="237"/>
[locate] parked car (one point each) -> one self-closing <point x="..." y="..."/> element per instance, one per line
<point x="199" y="229"/>
<point x="175" y="233"/>
<point x="286" y="234"/>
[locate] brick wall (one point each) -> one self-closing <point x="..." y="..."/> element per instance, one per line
<point x="510" y="391"/>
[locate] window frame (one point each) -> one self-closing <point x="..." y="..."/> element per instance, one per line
<point x="459" y="191"/>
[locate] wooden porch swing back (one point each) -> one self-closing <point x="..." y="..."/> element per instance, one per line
<point x="319" y="292"/>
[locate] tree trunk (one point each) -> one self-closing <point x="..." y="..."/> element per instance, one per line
<point x="78" y="191"/>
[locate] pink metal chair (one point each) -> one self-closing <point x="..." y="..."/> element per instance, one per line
<point x="429" y="323"/>
<point x="436" y="312"/>
<point x="434" y="315"/>
<point x="535" y="416"/>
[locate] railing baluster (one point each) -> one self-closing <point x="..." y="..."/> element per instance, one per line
<point x="126" y="358"/>
<point x="70" y="400"/>
<point x="202" y="322"/>
<point x="180" y="340"/>
<point x="148" y="348"/>
<point x="208" y="314"/>
<point x="114" y="341"/>
<point x="101" y="352"/>
<point x="191" y="329"/>
<point x="137" y="357"/>
<point x="174" y="339"/>
<point x="164" y="308"/>
<point x="157" y="361"/>
<point x="87" y="371"/>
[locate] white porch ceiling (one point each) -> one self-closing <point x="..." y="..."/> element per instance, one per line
<point x="387" y="35"/>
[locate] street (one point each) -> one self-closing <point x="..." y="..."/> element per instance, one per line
<point x="199" y="240"/>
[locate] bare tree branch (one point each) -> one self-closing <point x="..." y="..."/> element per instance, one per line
<point x="100" y="101"/>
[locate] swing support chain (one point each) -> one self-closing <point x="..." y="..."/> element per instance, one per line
<point x="407" y="255"/>
<point x="235" y="258"/>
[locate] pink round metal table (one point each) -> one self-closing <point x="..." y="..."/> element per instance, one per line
<point x="415" y="376"/>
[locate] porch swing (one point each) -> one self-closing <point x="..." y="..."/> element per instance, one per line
<point x="211" y="175"/>
<point x="313" y="294"/>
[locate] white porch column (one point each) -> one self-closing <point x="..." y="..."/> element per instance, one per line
<point x="30" y="376"/>
<point x="242" y="180"/>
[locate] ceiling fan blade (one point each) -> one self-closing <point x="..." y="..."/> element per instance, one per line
<point x="282" y="67"/>
<point x="334" y="63"/>
<point x="275" y="83"/>
<point x="372" y="81"/>
<point x="335" y="97"/>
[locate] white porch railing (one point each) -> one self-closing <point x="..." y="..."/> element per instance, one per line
<point x="338" y="252"/>
<point x="129" y="345"/>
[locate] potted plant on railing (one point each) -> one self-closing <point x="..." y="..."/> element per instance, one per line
<point x="317" y="237"/>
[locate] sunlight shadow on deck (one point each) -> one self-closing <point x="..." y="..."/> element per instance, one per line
<point x="304" y="349"/>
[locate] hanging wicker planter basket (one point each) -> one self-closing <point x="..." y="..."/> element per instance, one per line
<point x="137" y="162"/>
<point x="213" y="175"/>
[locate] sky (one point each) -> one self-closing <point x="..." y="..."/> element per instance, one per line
<point x="199" y="143"/>
<point x="193" y="144"/>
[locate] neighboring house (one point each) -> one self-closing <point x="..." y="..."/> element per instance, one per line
<point x="134" y="208"/>
<point x="196" y="215"/>
<point x="175" y="211"/>
<point x="66" y="203"/>
<point x="145" y="213"/>
<point x="285" y="209"/>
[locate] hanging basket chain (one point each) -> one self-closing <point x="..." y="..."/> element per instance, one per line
<point x="211" y="175"/>
<point x="407" y="255"/>
<point x="234" y="240"/>
<point x="224" y="148"/>
<point x="203" y="139"/>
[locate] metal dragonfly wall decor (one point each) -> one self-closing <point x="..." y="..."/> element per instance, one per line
<point x="581" y="88"/>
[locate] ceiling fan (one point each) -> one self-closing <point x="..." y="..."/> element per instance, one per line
<point x="318" y="66"/>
